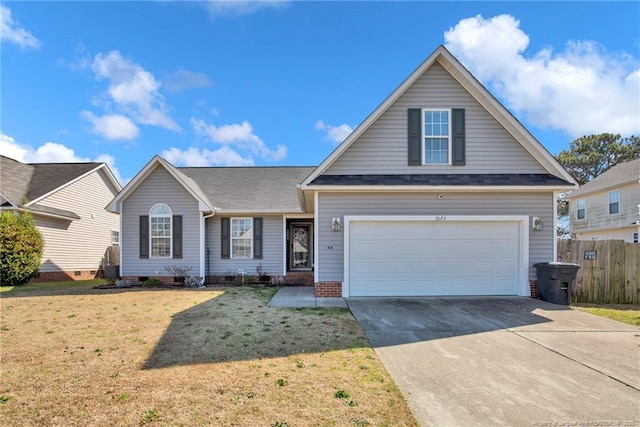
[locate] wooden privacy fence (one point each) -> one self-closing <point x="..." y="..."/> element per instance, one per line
<point x="608" y="272"/>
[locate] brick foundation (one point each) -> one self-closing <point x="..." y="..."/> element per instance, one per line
<point x="328" y="289"/>
<point x="59" y="276"/>
<point x="533" y="285"/>
<point x="299" y="278"/>
<point x="293" y="278"/>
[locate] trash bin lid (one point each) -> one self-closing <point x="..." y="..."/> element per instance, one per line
<point x="556" y="264"/>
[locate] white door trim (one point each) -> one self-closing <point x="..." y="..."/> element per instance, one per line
<point x="523" y="238"/>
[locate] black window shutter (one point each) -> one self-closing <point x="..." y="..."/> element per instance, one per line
<point x="414" y="128"/>
<point x="225" y="240"/>
<point x="257" y="238"/>
<point x="177" y="236"/>
<point x="458" y="157"/>
<point x="144" y="236"/>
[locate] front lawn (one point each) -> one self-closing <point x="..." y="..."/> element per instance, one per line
<point x="216" y="356"/>
<point x="622" y="313"/>
<point x="6" y="290"/>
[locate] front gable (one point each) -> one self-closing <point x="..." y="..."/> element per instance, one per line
<point x="383" y="147"/>
<point x="157" y="164"/>
<point x="483" y="138"/>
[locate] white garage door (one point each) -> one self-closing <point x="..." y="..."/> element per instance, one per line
<point x="412" y="258"/>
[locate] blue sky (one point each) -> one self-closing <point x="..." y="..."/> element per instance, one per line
<point x="282" y="83"/>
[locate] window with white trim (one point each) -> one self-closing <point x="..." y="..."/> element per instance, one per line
<point x="581" y="211"/>
<point x="160" y="231"/>
<point x="614" y="202"/>
<point x="241" y="237"/>
<point x="115" y="238"/>
<point x="436" y="136"/>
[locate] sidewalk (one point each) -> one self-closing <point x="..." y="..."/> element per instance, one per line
<point x="302" y="296"/>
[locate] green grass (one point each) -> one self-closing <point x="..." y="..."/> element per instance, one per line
<point x="51" y="285"/>
<point x="622" y="313"/>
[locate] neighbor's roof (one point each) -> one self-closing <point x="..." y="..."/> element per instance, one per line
<point x="20" y="182"/>
<point x="33" y="180"/>
<point x="250" y="189"/>
<point x="620" y="174"/>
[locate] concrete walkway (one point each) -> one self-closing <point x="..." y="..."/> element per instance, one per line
<point x="302" y="296"/>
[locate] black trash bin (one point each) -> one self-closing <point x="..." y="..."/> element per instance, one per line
<point x="555" y="280"/>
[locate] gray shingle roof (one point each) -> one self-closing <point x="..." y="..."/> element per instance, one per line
<point x="441" y="179"/>
<point x="622" y="173"/>
<point x="256" y="189"/>
<point x="33" y="180"/>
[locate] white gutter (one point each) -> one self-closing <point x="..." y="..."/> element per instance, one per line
<point x="451" y="188"/>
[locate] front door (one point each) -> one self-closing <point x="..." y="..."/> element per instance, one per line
<point x="300" y="246"/>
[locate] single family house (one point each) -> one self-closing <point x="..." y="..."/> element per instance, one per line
<point x="440" y="191"/>
<point x="608" y="206"/>
<point x="67" y="201"/>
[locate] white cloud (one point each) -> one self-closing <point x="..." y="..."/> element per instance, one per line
<point x="223" y="156"/>
<point x="112" y="126"/>
<point x="240" y="7"/>
<point x="12" y="33"/>
<point x="241" y="136"/>
<point x="133" y="90"/>
<point x="581" y="90"/>
<point x="51" y="152"/>
<point x="335" y="134"/>
<point x="183" y="80"/>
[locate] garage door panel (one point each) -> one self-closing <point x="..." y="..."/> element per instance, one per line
<point x="388" y="258"/>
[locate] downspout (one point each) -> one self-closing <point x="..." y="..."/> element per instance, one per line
<point x="202" y="232"/>
<point x="555" y="225"/>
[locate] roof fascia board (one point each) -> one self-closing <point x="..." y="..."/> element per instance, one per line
<point x="502" y="115"/>
<point x="116" y="203"/>
<point x="8" y="199"/>
<point x="452" y="188"/>
<point x="222" y="212"/>
<point x="38" y="213"/>
<point x="601" y="189"/>
<point x="68" y="183"/>
<point x="116" y="184"/>
<point x="393" y="97"/>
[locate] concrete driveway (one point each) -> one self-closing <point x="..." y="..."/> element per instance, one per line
<point x="505" y="361"/>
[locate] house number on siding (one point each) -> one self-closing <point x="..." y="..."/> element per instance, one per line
<point x="441" y="218"/>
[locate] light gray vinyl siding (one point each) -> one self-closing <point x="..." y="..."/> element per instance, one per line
<point x="80" y="244"/>
<point x="272" y="248"/>
<point x="331" y="205"/>
<point x="159" y="187"/>
<point x="383" y="147"/>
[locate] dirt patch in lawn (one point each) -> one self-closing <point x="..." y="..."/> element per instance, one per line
<point x="216" y="356"/>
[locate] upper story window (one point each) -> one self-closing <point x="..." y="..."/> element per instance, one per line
<point x="581" y="212"/>
<point x="241" y="237"/>
<point x="160" y="230"/>
<point x="614" y="202"/>
<point x="437" y="136"/>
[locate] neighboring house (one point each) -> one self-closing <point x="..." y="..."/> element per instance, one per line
<point x="608" y="206"/>
<point x="68" y="202"/>
<point x="440" y="191"/>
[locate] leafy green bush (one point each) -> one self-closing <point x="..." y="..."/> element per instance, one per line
<point x="21" y="247"/>
<point x="152" y="281"/>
